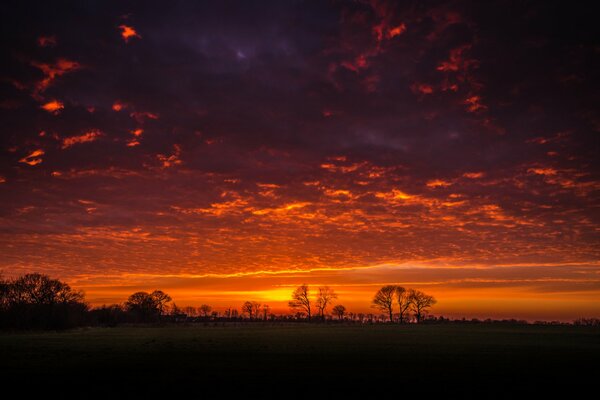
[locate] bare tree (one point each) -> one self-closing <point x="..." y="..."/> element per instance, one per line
<point x="205" y="309"/>
<point x="41" y="289"/>
<point x="189" y="311"/>
<point x="265" y="310"/>
<point x="324" y="298"/>
<point x="161" y="299"/>
<point x="384" y="300"/>
<point x="339" y="310"/>
<point x="252" y="308"/>
<point x="404" y="302"/>
<point x="256" y="309"/>
<point x="247" y="308"/>
<point x="301" y="300"/>
<point x="420" y="303"/>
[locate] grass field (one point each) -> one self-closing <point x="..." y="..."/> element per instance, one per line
<point x="438" y="358"/>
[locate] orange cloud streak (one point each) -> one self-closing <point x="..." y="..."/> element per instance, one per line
<point x="53" y="107"/>
<point x="85" y="138"/>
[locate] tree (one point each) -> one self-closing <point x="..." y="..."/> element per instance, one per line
<point x="251" y="308"/>
<point x="4" y="290"/>
<point x="38" y="301"/>
<point x="160" y="299"/>
<point x="205" y="309"/>
<point x="339" y="310"/>
<point x="142" y="305"/>
<point x="420" y="303"/>
<point x="190" y="311"/>
<point x="404" y="302"/>
<point x="265" y="310"/>
<point x="301" y="300"/>
<point x="384" y="300"/>
<point x="108" y="315"/>
<point x="146" y="306"/>
<point x="325" y="296"/>
<point x="256" y="309"/>
<point x="41" y="289"/>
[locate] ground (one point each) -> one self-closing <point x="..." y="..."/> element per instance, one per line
<point x="472" y="359"/>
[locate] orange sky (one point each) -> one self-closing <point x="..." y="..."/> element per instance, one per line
<point x="524" y="291"/>
<point x="226" y="152"/>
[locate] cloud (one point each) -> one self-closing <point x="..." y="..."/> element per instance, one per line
<point x="85" y="138"/>
<point x="437" y="183"/>
<point x="474" y="175"/>
<point x="53" y="106"/>
<point x="47" y="41"/>
<point x="168" y="161"/>
<point x="34" y="158"/>
<point x="52" y="72"/>
<point x="118" y="106"/>
<point x="128" y="32"/>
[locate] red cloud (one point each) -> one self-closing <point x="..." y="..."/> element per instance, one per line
<point x="474" y="175"/>
<point x="34" y="158"/>
<point x="139" y="116"/>
<point x="128" y="32"/>
<point x="398" y="30"/>
<point x="46" y="41"/>
<point x="474" y="104"/>
<point x="86" y="137"/>
<point x="172" y="160"/>
<point x="118" y="106"/>
<point x="53" y="71"/>
<point x="53" y="106"/>
<point x="421" y="88"/>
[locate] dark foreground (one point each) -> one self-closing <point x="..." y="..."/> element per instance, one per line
<point x="473" y="360"/>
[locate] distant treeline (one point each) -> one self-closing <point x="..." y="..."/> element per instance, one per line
<point x="36" y="301"/>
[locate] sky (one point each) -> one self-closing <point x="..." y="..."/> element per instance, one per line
<point x="231" y="150"/>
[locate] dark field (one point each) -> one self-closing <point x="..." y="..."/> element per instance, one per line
<point x="476" y="360"/>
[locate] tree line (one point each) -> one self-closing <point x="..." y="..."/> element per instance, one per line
<point x="36" y="301"/>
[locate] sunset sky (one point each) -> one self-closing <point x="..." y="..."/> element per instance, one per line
<point x="229" y="151"/>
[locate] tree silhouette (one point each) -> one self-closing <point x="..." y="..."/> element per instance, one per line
<point x="255" y="308"/>
<point x="265" y="310"/>
<point x="205" y="309"/>
<point x="161" y="299"/>
<point x="251" y="308"/>
<point x="190" y="311"/>
<point x="324" y="298"/>
<point x="384" y="300"/>
<point x="41" y="289"/>
<point x="38" y="301"/>
<point x="404" y="302"/>
<point x="420" y="303"/>
<point x="301" y="300"/>
<point x="339" y="310"/>
<point x="147" y="307"/>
